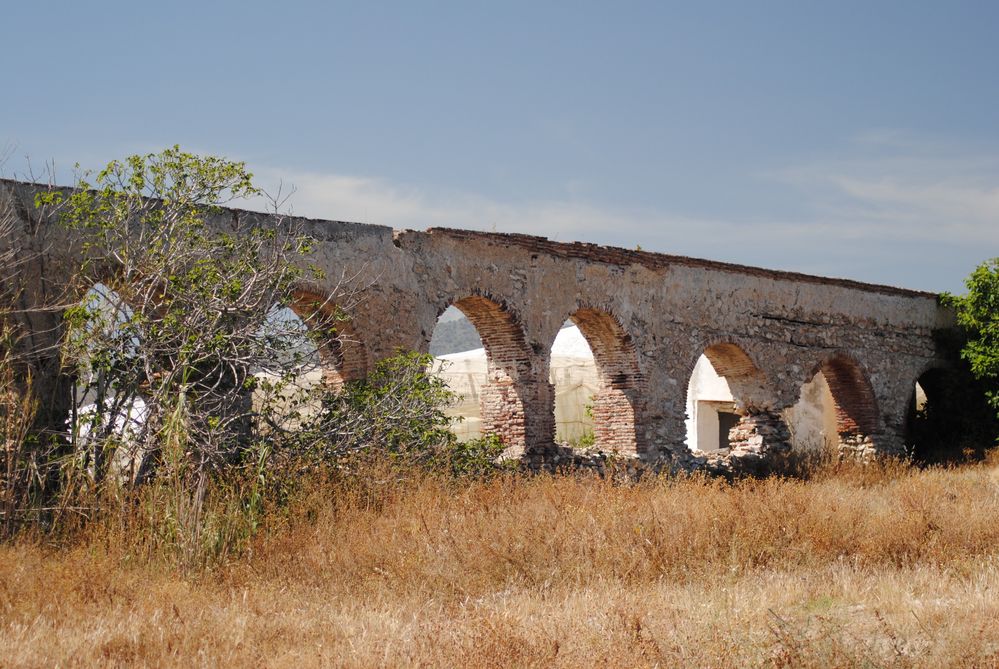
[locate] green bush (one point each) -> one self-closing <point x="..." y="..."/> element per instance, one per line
<point x="397" y="411"/>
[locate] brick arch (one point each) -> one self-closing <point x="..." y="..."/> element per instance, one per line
<point x="757" y="430"/>
<point x="745" y="380"/>
<point x="854" y="402"/>
<point x="616" y="410"/>
<point x="730" y="361"/>
<point x="613" y="350"/>
<point x="343" y="355"/>
<point x="507" y="353"/>
<point x="511" y="403"/>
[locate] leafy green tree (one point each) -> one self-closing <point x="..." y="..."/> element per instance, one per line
<point x="184" y="316"/>
<point x="191" y="376"/>
<point x="978" y="316"/>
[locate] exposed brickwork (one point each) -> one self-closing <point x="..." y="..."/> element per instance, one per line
<point x="345" y="358"/>
<point x="729" y="360"/>
<point x="615" y="422"/>
<point x="855" y="404"/>
<point x="647" y="316"/>
<point x="512" y="385"/>
<point x="617" y="407"/>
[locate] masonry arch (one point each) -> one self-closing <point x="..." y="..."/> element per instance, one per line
<point x="616" y="404"/>
<point x="721" y="393"/>
<point x="499" y="374"/>
<point x="948" y="418"/>
<point x="343" y="356"/>
<point x="840" y="397"/>
<point x="855" y="404"/>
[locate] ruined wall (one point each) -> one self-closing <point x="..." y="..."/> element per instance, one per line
<point x="647" y="317"/>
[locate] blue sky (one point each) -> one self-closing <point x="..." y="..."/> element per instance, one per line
<point x="853" y="139"/>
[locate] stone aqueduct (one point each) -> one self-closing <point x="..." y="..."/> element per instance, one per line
<point x="648" y="317"/>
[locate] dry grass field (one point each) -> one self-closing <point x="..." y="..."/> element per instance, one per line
<point x="884" y="566"/>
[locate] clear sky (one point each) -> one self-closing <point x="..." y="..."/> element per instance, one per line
<point x="853" y="139"/>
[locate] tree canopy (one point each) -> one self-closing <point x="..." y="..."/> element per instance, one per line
<point x="978" y="316"/>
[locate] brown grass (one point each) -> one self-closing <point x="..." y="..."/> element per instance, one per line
<point x="877" y="567"/>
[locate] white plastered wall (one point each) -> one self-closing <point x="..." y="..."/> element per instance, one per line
<point x="706" y="393"/>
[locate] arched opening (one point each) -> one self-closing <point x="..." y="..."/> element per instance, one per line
<point x="855" y="405"/>
<point x="573" y="375"/>
<point x="948" y="420"/>
<point x="836" y="409"/>
<point x="493" y="380"/>
<point x="712" y="409"/>
<point x="614" y="382"/>
<point x="342" y="356"/>
<point x="460" y="360"/>
<point x="287" y="364"/>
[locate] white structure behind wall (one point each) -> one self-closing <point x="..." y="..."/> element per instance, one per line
<point x="707" y="394"/>
<point x="811" y="421"/>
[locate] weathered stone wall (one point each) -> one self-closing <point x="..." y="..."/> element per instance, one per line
<point x="647" y="317"/>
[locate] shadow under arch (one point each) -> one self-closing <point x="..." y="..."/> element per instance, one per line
<point x="948" y="418"/>
<point x="343" y="356"/>
<point x="617" y="407"/>
<point x="508" y="400"/>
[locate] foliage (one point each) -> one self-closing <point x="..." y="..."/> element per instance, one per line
<point x="166" y="349"/>
<point x="961" y="415"/>
<point x="978" y="315"/>
<point x="192" y="373"/>
<point x="474" y="458"/>
<point x="586" y="440"/>
<point x="398" y="410"/>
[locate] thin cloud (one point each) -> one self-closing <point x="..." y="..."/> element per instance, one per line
<point x="891" y="206"/>
<point x="900" y="186"/>
<point x="372" y="200"/>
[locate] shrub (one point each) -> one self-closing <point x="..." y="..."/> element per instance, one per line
<point x="397" y="411"/>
